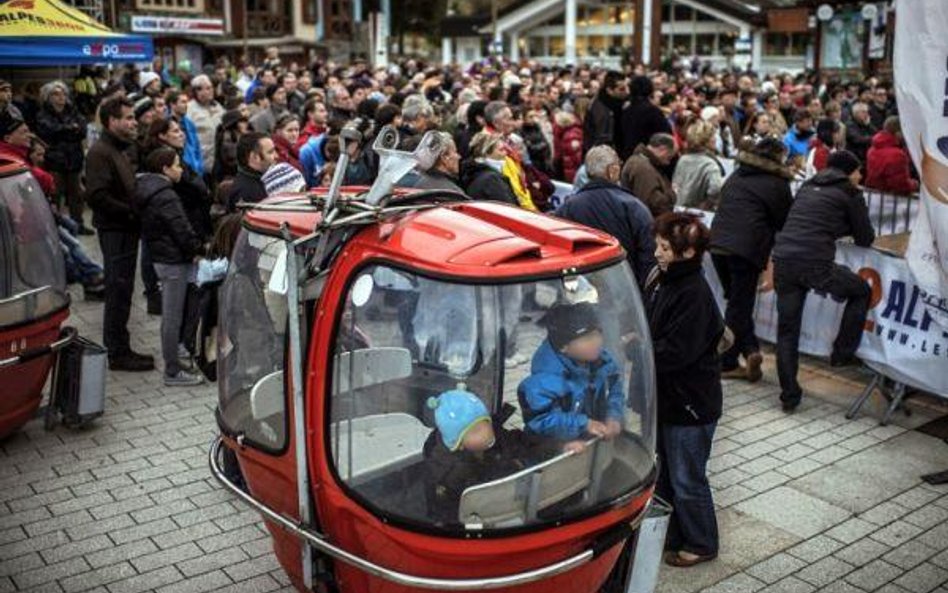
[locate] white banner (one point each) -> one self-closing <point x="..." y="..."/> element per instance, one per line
<point x="921" y="72"/>
<point x="900" y="340"/>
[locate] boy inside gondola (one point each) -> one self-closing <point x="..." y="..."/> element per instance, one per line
<point x="574" y="391"/>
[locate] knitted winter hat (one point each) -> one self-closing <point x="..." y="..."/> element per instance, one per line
<point x="456" y="412"/>
<point x="146" y="78"/>
<point x="565" y="323"/>
<point x="283" y="178"/>
<point x="9" y="123"/>
<point x="143" y="105"/>
<point x="844" y="161"/>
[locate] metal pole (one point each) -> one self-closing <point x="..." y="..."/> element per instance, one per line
<point x="495" y="34"/>
<point x="299" y="408"/>
<point x="244" y="21"/>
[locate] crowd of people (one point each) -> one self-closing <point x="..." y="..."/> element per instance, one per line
<point x="165" y="161"/>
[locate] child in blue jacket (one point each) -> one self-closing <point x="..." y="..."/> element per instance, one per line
<point x="575" y="388"/>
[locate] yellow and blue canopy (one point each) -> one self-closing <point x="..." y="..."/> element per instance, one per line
<point x="51" y="33"/>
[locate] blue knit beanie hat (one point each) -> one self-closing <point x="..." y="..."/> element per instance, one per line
<point x="455" y="413"/>
<point x="283" y="178"/>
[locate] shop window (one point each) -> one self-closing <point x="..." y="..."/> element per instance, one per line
<point x="683" y="13"/>
<point x="704" y="44"/>
<point x="683" y="44"/>
<point x="310" y="11"/>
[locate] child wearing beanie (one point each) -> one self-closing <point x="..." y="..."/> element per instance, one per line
<point x="468" y="448"/>
<point x="574" y="390"/>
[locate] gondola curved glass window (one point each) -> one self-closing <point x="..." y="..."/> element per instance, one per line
<point x="536" y="368"/>
<point x="32" y="269"/>
<point x="251" y="342"/>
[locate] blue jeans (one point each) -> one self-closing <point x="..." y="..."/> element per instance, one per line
<point x="683" y="482"/>
<point x="79" y="266"/>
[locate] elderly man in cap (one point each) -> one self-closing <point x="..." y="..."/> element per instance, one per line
<point x="206" y="113"/>
<point x="827" y="207"/>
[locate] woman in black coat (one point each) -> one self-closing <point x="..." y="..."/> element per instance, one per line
<point x="481" y="176"/>
<point x="755" y="201"/>
<point x="60" y="125"/>
<point x="174" y="246"/>
<point x="686" y="328"/>
<point x="194" y="194"/>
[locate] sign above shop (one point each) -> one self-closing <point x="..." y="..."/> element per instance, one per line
<point x="177" y="25"/>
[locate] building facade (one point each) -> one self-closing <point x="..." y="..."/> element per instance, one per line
<point x="194" y="32"/>
<point x="766" y="35"/>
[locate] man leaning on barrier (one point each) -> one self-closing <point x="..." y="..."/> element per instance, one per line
<point x="827" y="207"/>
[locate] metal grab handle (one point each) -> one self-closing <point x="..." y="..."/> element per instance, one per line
<point x="69" y="334"/>
<point x="319" y="541"/>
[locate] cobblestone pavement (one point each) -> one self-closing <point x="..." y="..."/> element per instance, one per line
<point x="807" y="502"/>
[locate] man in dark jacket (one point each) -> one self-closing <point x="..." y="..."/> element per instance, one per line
<point x="755" y="201"/>
<point x="110" y="185"/>
<point x="63" y="129"/>
<point x="602" y="119"/>
<point x="640" y="119"/>
<point x="826" y="208"/>
<point x="642" y="174"/>
<point x="603" y="205"/>
<point x="255" y="154"/>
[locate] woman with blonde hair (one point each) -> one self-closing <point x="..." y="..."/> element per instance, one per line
<point x="699" y="175"/>
<point x="482" y="176"/>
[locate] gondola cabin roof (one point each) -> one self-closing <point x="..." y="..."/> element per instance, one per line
<point x="464" y="239"/>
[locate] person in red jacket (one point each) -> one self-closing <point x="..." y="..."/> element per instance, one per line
<point x="15" y="139"/>
<point x="887" y="162"/>
<point x="568" y="140"/>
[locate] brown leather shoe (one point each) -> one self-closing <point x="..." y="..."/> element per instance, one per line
<point x="754" y="361"/>
<point x="687" y="559"/>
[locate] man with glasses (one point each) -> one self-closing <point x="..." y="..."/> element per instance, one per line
<point x="206" y="113"/>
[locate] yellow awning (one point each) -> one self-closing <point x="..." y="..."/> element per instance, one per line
<point x="48" y="18"/>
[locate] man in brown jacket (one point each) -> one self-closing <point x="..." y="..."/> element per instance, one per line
<point x="110" y="185"/>
<point x="641" y="174"/>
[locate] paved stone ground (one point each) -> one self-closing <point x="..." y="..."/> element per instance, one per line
<point x="807" y="502"/>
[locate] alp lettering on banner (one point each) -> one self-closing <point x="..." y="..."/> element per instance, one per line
<point x="921" y="81"/>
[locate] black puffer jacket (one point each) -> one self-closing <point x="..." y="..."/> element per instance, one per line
<point x="481" y="182"/>
<point x="196" y="201"/>
<point x="686" y="327"/>
<point x="165" y="226"/>
<point x="449" y="473"/>
<point x="755" y="201"/>
<point x="63" y="132"/>
<point x="827" y="207"/>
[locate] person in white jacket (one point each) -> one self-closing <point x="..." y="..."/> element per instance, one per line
<point x="206" y="113"/>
